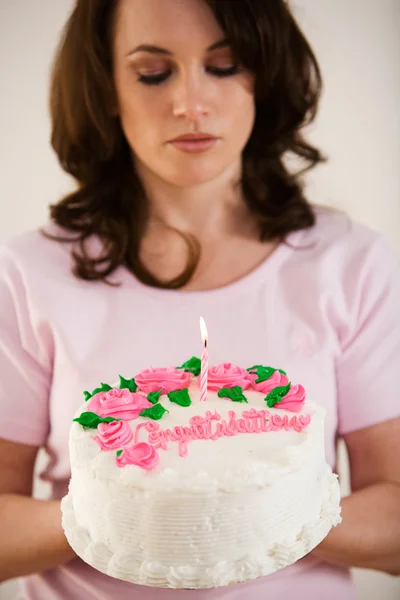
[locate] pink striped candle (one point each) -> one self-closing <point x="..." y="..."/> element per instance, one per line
<point x="204" y="362"/>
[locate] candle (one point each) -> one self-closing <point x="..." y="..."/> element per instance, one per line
<point x="204" y="362"/>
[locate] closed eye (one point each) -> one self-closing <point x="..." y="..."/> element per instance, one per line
<point x="161" y="77"/>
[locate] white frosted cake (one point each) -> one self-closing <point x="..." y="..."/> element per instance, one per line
<point x="170" y="491"/>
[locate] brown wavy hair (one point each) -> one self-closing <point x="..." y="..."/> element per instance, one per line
<point x="110" y="201"/>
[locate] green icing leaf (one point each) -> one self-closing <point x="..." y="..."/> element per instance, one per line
<point x="234" y="393"/>
<point x="192" y="365"/>
<point x="104" y="388"/>
<point x="154" y="397"/>
<point x="276" y="395"/>
<point x="263" y="373"/>
<point x="89" y="420"/>
<point x="155" y="412"/>
<point x="129" y="384"/>
<point x="87" y="395"/>
<point x="119" y="452"/>
<point x="180" y="397"/>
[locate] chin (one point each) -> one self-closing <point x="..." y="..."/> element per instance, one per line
<point x="195" y="175"/>
<point x="187" y="181"/>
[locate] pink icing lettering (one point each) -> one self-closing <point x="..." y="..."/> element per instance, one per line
<point x="193" y="432"/>
<point x="137" y="430"/>
<point x="249" y="425"/>
<point x="196" y="420"/>
<point x="277" y="422"/>
<point x="212" y="427"/>
<point x="150" y="426"/>
<point x="169" y="436"/>
<point x="207" y="427"/>
<point x="260" y="423"/>
<point x="213" y="416"/>
<point x="178" y="432"/>
<point x="199" y="429"/>
<point x="183" y="450"/>
<point x="156" y="435"/>
<point x="248" y="414"/>
<point x="158" y="440"/>
<point x="297" y="427"/>
<point x="241" y="426"/>
<point x="253" y="415"/>
<point x="223" y="430"/>
<point x="302" y="422"/>
<point x="265" y="420"/>
<point x="181" y="437"/>
<point x="232" y="422"/>
<point x="267" y="426"/>
<point x="188" y="432"/>
<point x="202" y="426"/>
<point x="207" y="430"/>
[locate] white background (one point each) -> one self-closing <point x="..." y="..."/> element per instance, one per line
<point x="358" y="45"/>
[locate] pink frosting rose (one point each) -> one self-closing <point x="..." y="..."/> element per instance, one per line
<point x="113" y="435"/>
<point x="228" y="375"/>
<point x="276" y="380"/>
<point x="166" y="379"/>
<point x="120" y="404"/>
<point x="294" y="399"/>
<point x="142" y="455"/>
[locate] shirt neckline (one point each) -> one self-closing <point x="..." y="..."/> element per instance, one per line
<point x="244" y="284"/>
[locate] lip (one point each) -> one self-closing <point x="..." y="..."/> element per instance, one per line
<point x="194" y="137"/>
<point x="192" y="143"/>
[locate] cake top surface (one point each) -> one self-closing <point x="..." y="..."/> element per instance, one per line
<point x="157" y="430"/>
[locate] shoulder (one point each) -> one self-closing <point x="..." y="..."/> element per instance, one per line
<point x="34" y="254"/>
<point x="354" y="270"/>
<point x="343" y="263"/>
<point x="343" y="244"/>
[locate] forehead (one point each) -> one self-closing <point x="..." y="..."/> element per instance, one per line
<point x="179" y="25"/>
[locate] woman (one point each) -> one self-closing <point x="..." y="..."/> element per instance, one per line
<point x="174" y="118"/>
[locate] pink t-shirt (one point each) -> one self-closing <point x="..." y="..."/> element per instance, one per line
<point x="325" y="307"/>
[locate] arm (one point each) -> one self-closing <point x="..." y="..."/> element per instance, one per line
<point x="369" y="536"/>
<point x="31" y="529"/>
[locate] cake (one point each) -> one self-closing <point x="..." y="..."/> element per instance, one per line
<point x="167" y="490"/>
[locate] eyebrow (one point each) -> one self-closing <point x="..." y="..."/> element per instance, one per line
<point x="157" y="50"/>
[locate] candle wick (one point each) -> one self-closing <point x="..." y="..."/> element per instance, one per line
<point x="205" y="343"/>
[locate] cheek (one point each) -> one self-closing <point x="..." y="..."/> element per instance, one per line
<point x="242" y="110"/>
<point x="141" y="124"/>
<point x="138" y="110"/>
<point x="133" y="110"/>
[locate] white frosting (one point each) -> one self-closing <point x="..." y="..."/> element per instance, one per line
<point x="233" y="509"/>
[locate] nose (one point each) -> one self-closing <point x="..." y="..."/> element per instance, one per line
<point x="191" y="97"/>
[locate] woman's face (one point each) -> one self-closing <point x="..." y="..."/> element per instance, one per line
<point x="185" y="86"/>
